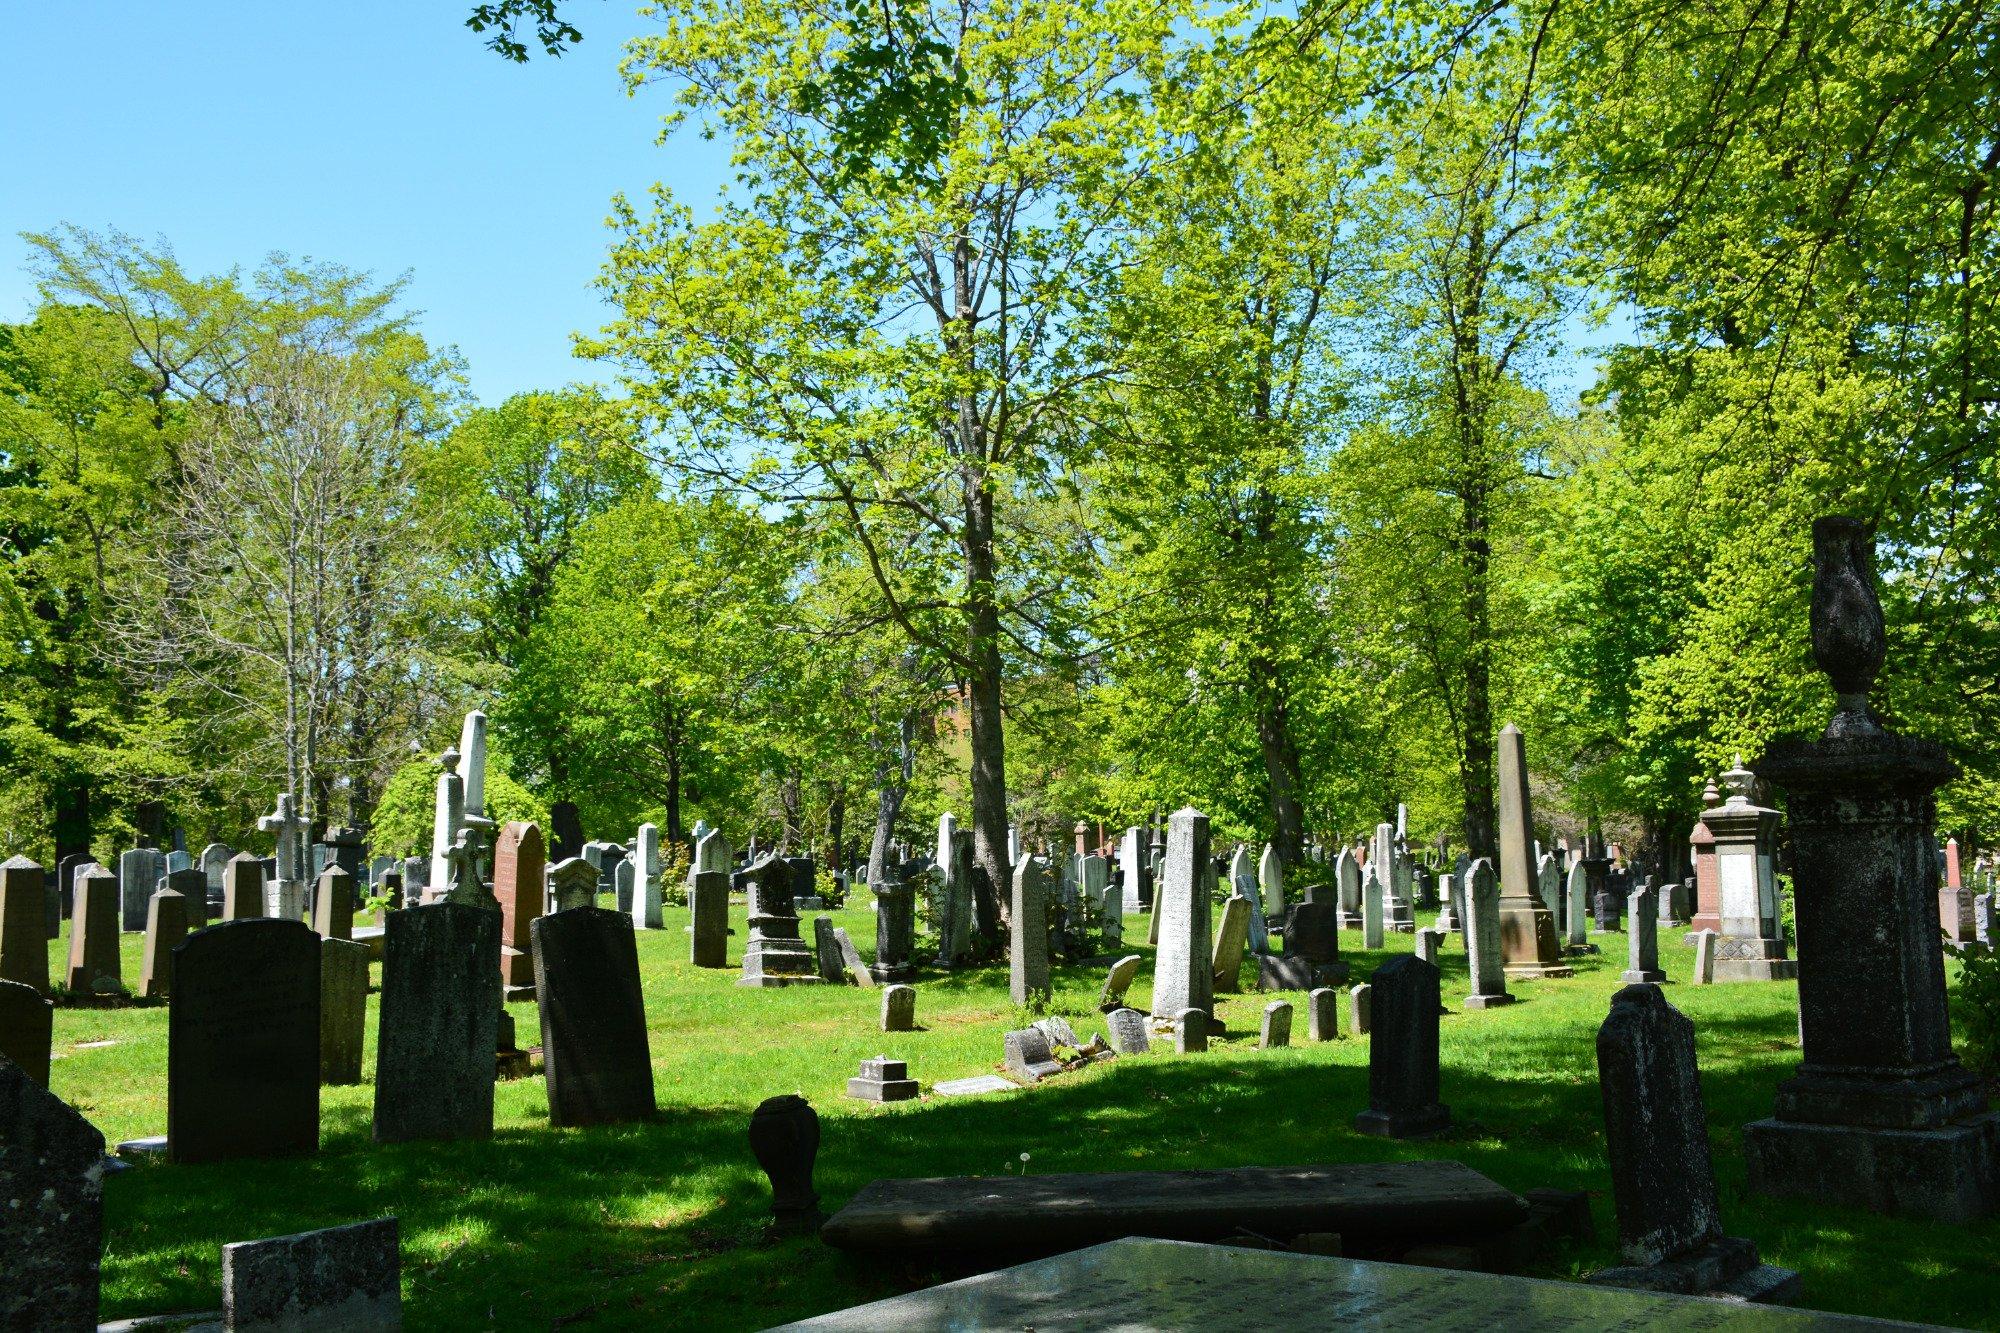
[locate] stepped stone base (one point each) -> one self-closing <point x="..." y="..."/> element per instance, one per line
<point x="1949" y="1174"/>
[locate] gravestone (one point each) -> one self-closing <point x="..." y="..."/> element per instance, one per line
<point x="1191" y="1032"/>
<point x="66" y="872"/>
<point x="166" y="927"/>
<point x="1323" y="1014"/>
<point x="594" y="1053"/>
<point x="1662" y="1178"/>
<point x="1704" y="957"/>
<point x="93" y="934"/>
<point x="883" y="1080"/>
<point x="1643" y="945"/>
<point x="955" y="925"/>
<point x="1103" y="899"/>
<point x="139" y="873"/>
<point x="333" y="903"/>
<point x="213" y="858"/>
<point x="243" y="1043"/>
<point x="192" y="886"/>
<point x="519" y="873"/>
<point x="775" y="955"/>
<point x="346" y="1278"/>
<point x="899" y="1008"/>
<point x="1358" y="1004"/>
<point x="24" y="932"/>
<point x="708" y="899"/>
<point x="1484" y="953"/>
<point x="826" y="953"/>
<point x="1116" y="982"/>
<point x="1231" y="937"/>
<point x="343" y="1009"/>
<point x="850" y="960"/>
<point x="1372" y="891"/>
<point x="1130" y="1033"/>
<point x="1028" y="933"/>
<point x="1314" y="933"/>
<point x="1347" y="879"/>
<point x="1183" y="969"/>
<point x="1403" y="1053"/>
<point x="1287" y="972"/>
<point x="52" y="1195"/>
<point x="1430" y="942"/>
<point x="1277" y="1026"/>
<point x="645" y="905"/>
<point x="1577" y="906"/>
<point x="572" y="883"/>
<point x="439" y="1025"/>
<point x="26" y="1033"/>
<point x="1271" y="882"/>
<point x="1029" y="1056"/>
<point x="1527" y="929"/>
<point x="623" y="877"/>
<point x="243" y="888"/>
<point x="1132" y="871"/>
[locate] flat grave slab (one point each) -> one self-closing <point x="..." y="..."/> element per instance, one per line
<point x="973" y="1087"/>
<point x="1370" y="1204"/>
<point x="1165" y="1284"/>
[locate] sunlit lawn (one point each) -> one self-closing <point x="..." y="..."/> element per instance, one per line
<point x="661" y="1225"/>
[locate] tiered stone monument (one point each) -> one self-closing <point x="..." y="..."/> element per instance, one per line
<point x="1881" y="1115"/>
<point x="775" y="955"/>
<point x="1750" y="944"/>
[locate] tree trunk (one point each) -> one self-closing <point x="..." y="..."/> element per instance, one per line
<point x="1281" y="763"/>
<point x="1476" y="764"/>
<point x="836" y="829"/>
<point x="69" y="814"/>
<point x="988" y="743"/>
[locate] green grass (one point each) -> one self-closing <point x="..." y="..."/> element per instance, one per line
<point x="660" y="1224"/>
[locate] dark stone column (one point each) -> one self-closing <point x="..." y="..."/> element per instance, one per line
<point x="895" y="931"/>
<point x="1403" y="1052"/>
<point x="1880" y="1115"/>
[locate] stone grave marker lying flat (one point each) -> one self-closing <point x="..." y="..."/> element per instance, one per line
<point x="1374" y="1206"/>
<point x="1139" y="1283"/>
<point x="973" y="1087"/>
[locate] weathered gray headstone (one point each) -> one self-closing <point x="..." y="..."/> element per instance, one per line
<point x="899" y="1008"/>
<point x="243" y="888"/>
<point x="645" y="905"/>
<point x="1029" y="1057"/>
<point x="1323" y="1014"/>
<point x="343" y="1009"/>
<point x="1484" y="952"/>
<point x="826" y="953"/>
<point x="24" y="933"/>
<point x="342" y="1278"/>
<point x="1191" y="1032"/>
<point x="1028" y="933"/>
<point x="1184" y="969"/>
<point x="850" y="960"/>
<point x="1117" y="981"/>
<point x="1704" y="957"/>
<point x="594" y="1053"/>
<point x="243" y="1043"/>
<point x="52" y="1196"/>
<point x="1130" y="1033"/>
<point x="1373" y="891"/>
<point x="1403" y="1052"/>
<point x="93" y="934"/>
<point x="139" y="873"/>
<point x="439" y="1029"/>
<point x="573" y="883"/>
<point x="1314" y="933"/>
<point x="1576" y="900"/>
<point x="1358" y="1006"/>
<point x="1430" y="941"/>
<point x="708" y="899"/>
<point x="1642" y="963"/>
<point x="1277" y="1026"/>
<point x="26" y="1033"/>
<point x="775" y="955"/>
<point x="166" y="927"/>
<point x="1232" y="936"/>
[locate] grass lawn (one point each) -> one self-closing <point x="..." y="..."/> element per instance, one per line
<point x="660" y="1225"/>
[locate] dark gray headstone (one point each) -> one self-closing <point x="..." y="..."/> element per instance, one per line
<point x="1314" y="932"/>
<point x="1285" y="971"/>
<point x="826" y="952"/>
<point x="343" y="1009"/>
<point x="139" y="873"/>
<point x="565" y="831"/>
<point x="708" y="901"/>
<point x="594" y="1053"/>
<point x="243" y="1043"/>
<point x="24" y="931"/>
<point x="52" y="1196"/>
<point x="1403" y="1052"/>
<point x="439" y="1030"/>
<point x="1655" y="1128"/>
<point x="26" y="1031"/>
<point x="345" y="1278"/>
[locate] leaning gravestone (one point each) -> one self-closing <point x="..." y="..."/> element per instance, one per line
<point x="1117" y="982"/>
<point x="93" y="935"/>
<point x="1232" y="936"/>
<point x="826" y="952"/>
<point x="343" y="1009"/>
<point x="52" y="1196"/>
<point x="166" y="927"/>
<point x="1403" y="1052"/>
<point x="243" y="1043"/>
<point x="850" y="960"/>
<point x="594" y="1054"/>
<point x="1277" y="1026"/>
<point x="26" y="1032"/>
<point x="24" y="934"/>
<point x="1029" y="1056"/>
<point x="439" y="1028"/>
<point x="340" y="1278"/>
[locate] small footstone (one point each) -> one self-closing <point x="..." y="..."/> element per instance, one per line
<point x="1323" y="1014"/>
<point x="340" y="1278"/>
<point x="1131" y="1032"/>
<point x="883" y="1080"/>
<point x="899" y="1008"/>
<point x="1029" y="1057"/>
<point x="1117" y="982"/>
<point x="1277" y="1027"/>
<point x="1191" y="1032"/>
<point x="1704" y="957"/>
<point x="1430" y="941"/>
<point x="1357" y="1008"/>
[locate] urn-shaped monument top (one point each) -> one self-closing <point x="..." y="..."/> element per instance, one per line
<point x="1847" y="635"/>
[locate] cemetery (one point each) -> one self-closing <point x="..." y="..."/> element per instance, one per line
<point x="1182" y="669"/>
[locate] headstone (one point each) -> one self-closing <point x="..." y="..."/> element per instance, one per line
<point x="343" y="1009"/>
<point x="1117" y="981"/>
<point x="1662" y="1178"/>
<point x="1028" y="933"/>
<point x="1704" y="957"/>
<point x="1132" y="870"/>
<point x="1271" y="882"/>
<point x="166" y="927"/>
<point x="957" y="871"/>
<point x="850" y="960"/>
<point x="1029" y="1057"/>
<point x="243" y="888"/>
<point x="1287" y="971"/>
<point x="708" y="899"/>
<point x="1131" y="1034"/>
<point x="333" y="904"/>
<point x="1548" y="887"/>
<point x="1527" y="929"/>
<point x="24" y="932"/>
<point x="572" y="883"/>
<point x="826" y="952"/>
<point x="1358" y="1006"/>
<point x="1314" y="933"/>
<point x="93" y="934"/>
<point x="883" y="1080"/>
<point x="52" y="1190"/>
<point x="899" y="1008"/>
<point x="139" y="873"/>
<point x="347" y="1278"/>
<point x="775" y="955"/>
<point x="26" y="1034"/>
<point x="1347" y="878"/>
<point x="1183" y="970"/>
<point x="1484" y="953"/>
<point x="1430" y="942"/>
<point x="1643" y="944"/>
<point x="1277" y="1026"/>
<point x="243" y="1043"/>
<point x="519" y="874"/>
<point x="66" y="871"/>
<point x="645" y="904"/>
<point x="440" y="1024"/>
<point x="1403" y="1053"/>
<point x="1576" y="912"/>
<point x="1323" y="1014"/>
<point x="1231" y="936"/>
<point x="594" y="1051"/>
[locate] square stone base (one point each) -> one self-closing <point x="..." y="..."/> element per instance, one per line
<point x="882" y="1090"/>
<point x="1756" y="969"/>
<point x="1950" y="1174"/>
<point x="1432" y="1119"/>
<point x="1726" y="1269"/>
<point x="1642" y="977"/>
<point x="1532" y="970"/>
<point x="1487" y="1001"/>
<point x="767" y="980"/>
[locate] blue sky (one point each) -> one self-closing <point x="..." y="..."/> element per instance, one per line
<point x="383" y="136"/>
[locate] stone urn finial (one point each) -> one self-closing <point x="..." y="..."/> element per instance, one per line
<point x="1847" y="634"/>
<point x="449" y="759"/>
